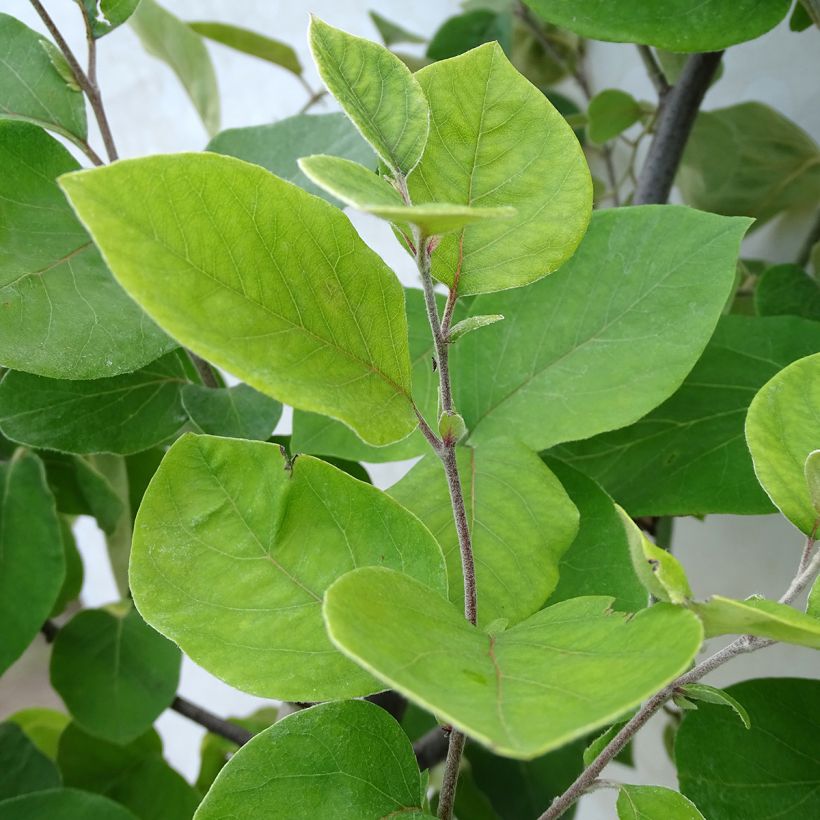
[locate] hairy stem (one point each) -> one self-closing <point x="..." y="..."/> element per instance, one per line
<point x="447" y="795"/>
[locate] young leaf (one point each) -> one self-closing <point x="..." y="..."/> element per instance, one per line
<point x="32" y="564"/>
<point x="781" y="431"/>
<point x="521" y="522"/>
<point x="611" y="112"/>
<point x="105" y="15"/>
<point x="277" y="147"/>
<point x="648" y="802"/>
<point x="749" y="159"/>
<point x="757" y="773"/>
<point x="465" y="326"/>
<point x="31" y="89"/>
<point x="23" y="767"/>
<point x="252" y="43"/>
<point x="122" y="414"/>
<point x="598" y="562"/>
<point x="355" y="185"/>
<point x="43" y="727"/>
<point x="60" y="64"/>
<point x="376" y="90"/>
<point x="813" y="602"/>
<point x="276" y="264"/>
<point x="115" y="674"/>
<point x="234" y="547"/>
<point x="811" y="469"/>
<point x="688" y="456"/>
<point x="657" y="569"/>
<point x="392" y="33"/>
<point x="497" y="141"/>
<point x="168" y="39"/>
<point x="603" y="740"/>
<point x="710" y="694"/>
<point x="63" y="804"/>
<point x="605" y="339"/>
<point x="555" y="677"/>
<point x="787" y="289"/>
<point x="64" y="316"/>
<point x="676" y="25"/>
<point x="346" y="760"/>
<point x="759" y="617"/>
<point x="238" y="412"/>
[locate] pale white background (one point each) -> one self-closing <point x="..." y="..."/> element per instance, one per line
<point x="149" y="113"/>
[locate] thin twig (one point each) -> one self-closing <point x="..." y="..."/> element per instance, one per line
<point x="447" y="795"/>
<point x="811" y="239"/>
<point x="674" y="124"/>
<point x="217" y="725"/>
<point x="204" y="369"/>
<point x="655" y="72"/>
<point x="315" y="96"/>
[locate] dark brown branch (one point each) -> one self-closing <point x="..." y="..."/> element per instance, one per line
<point x="655" y="72"/>
<point x="674" y="124"/>
<point x="217" y="725"/>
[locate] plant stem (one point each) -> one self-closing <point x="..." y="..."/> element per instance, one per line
<point x="813" y="236"/>
<point x="674" y="124"/>
<point x="447" y="795"/>
<point x="223" y="728"/>
<point x="655" y="72"/>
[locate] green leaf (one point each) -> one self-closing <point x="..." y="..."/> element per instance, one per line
<point x="221" y="565"/>
<point x="74" y="570"/>
<point x="355" y="185"/>
<point x="521" y="790"/>
<point x="392" y="33"/>
<point x="689" y="456"/>
<point x="168" y="39"/>
<point x="451" y="427"/>
<point x="60" y="64"/>
<point x="106" y="15"/>
<point x="654" y="803"/>
<point x="676" y="25"/>
<point x="710" y="694"/>
<point x="466" y="326"/>
<point x="605" y="339"/>
<point x="327" y="437"/>
<point x="603" y="740"/>
<point x="813" y="602"/>
<point x="31" y="89"/>
<point x="64" y="316"/>
<point x="238" y="412"/>
<point x="598" y="561"/>
<point x="276" y="264"/>
<point x="811" y="469"/>
<point x="348" y="760"/>
<point x="495" y="141"/>
<point x="749" y="159"/>
<point x="787" y="289"/>
<point x="466" y="31"/>
<point x="520" y="518"/>
<point x="43" y="727"/>
<point x="63" y="804"/>
<point x="767" y="771"/>
<point x="114" y="673"/>
<point x="250" y="42"/>
<point x="135" y="774"/>
<point x="277" y="147"/>
<point x="555" y="677"/>
<point x="32" y="565"/>
<point x="781" y="431"/>
<point x="611" y="112"/>
<point x="122" y="414"/>
<point x="376" y="90"/>
<point x="23" y="767"/>
<point x="658" y="570"/>
<point x="758" y="617"/>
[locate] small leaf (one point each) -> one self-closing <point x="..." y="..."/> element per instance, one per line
<point x="252" y="43"/>
<point x="238" y="412"/>
<point x="657" y="569"/>
<point x="467" y="31"/>
<point x="466" y="326"/>
<point x="813" y="602"/>
<point x="781" y="431"/>
<point x="314" y="763"/>
<point x="23" y="767"/>
<point x="43" y="727"/>
<point x="168" y="39"/>
<point x="392" y="33"/>
<point x="32" y="563"/>
<point x="221" y="565"/>
<point x="60" y="64"/>
<point x="63" y="804"/>
<point x="451" y="427"/>
<point x="276" y="263"/>
<point x="787" y="289"/>
<point x="376" y="90"/>
<point x="114" y="673"/>
<point x="655" y="803"/>
<point x="74" y="570"/>
<point x="711" y="694"/>
<point x="603" y="740"/>
<point x="610" y="113"/>
<point x="106" y="15"/>
<point x="560" y="674"/>
<point x="811" y="469"/>
<point x="758" y="617"/>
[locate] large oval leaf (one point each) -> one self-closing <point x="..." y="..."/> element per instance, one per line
<point x="558" y="675"/>
<point x="63" y="804"/>
<point x="258" y="277"/>
<point x="64" y="316"/>
<point x="781" y="430"/>
<point x="497" y="141"/>
<point x="676" y="25"/>
<point x="234" y="547"/>
<point x="606" y="338"/>
<point x="347" y="760"/>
